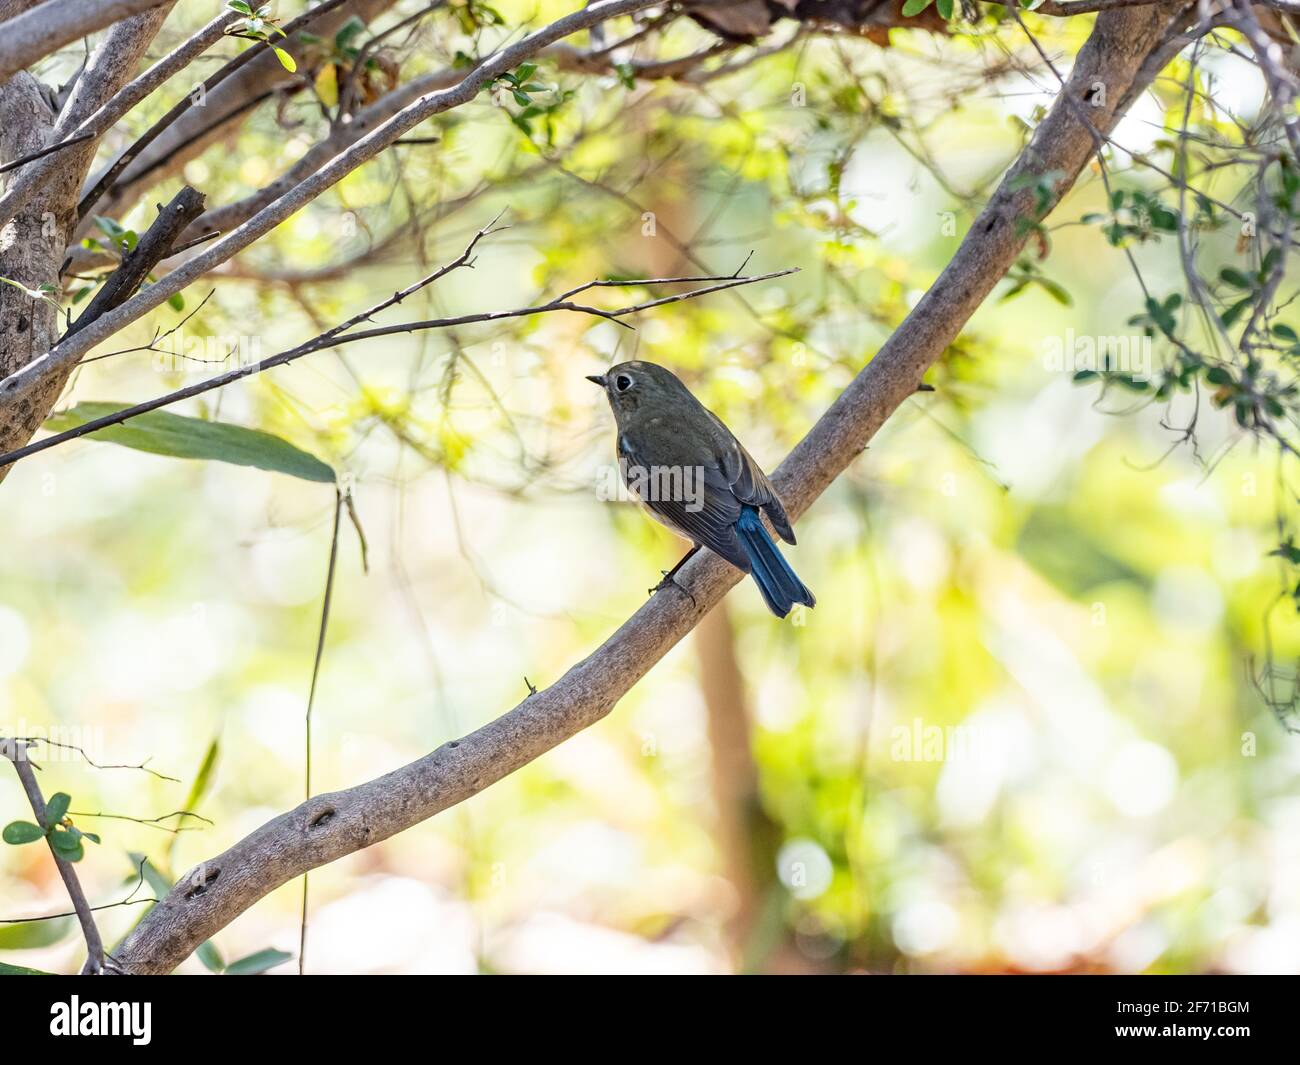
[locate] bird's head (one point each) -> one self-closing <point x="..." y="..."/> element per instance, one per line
<point x="632" y="386"/>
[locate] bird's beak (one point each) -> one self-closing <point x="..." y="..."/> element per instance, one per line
<point x="597" y="379"/>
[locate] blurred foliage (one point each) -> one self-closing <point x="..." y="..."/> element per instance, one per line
<point x="1031" y="723"/>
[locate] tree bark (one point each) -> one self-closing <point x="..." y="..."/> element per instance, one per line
<point x="32" y="244"/>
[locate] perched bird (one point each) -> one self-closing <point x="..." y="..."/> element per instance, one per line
<point x="692" y="475"/>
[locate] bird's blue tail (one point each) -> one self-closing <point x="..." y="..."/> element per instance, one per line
<point x="772" y="573"/>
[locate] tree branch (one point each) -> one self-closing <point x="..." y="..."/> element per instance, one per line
<point x="337" y="336"/>
<point x="68" y="352"/>
<point x="16" y="751"/>
<point x="36" y="33"/>
<point x="154" y="246"/>
<point x="94" y="125"/>
<point x="332" y="825"/>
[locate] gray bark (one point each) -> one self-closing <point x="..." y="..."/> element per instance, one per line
<point x="35" y="33"/>
<point x="32" y="244"/>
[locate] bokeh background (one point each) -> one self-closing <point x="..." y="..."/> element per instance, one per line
<point x="1021" y="731"/>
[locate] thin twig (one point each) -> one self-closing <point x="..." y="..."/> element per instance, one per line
<point x="333" y="339"/>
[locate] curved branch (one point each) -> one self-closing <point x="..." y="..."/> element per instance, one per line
<point x="330" y="826"/>
<point x="41" y="30"/>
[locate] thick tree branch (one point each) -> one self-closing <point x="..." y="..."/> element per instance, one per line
<point x="154" y="246"/>
<point x="330" y="826"/>
<point x="36" y="33"/>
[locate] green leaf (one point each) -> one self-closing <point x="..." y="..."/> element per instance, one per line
<point x="162" y="433"/>
<point x="914" y="7"/>
<point x="21" y="970"/>
<point x="211" y="957"/>
<point x="1056" y="291"/>
<point x="1234" y="312"/>
<point x="944" y="7"/>
<point x="203" y="778"/>
<point x="158" y="883"/>
<point x="176" y="301"/>
<point x="1234" y="277"/>
<point x="57" y="808"/>
<point x="67" y="845"/>
<point x="20" y="832"/>
<point x="257" y="963"/>
<point x="110" y="226"/>
<point x="1281" y="329"/>
<point x="240" y="6"/>
<point x="286" y="60"/>
<point x="32" y="935"/>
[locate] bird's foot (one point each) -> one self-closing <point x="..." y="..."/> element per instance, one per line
<point x="670" y="581"/>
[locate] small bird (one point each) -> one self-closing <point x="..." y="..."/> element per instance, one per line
<point x="693" y="476"/>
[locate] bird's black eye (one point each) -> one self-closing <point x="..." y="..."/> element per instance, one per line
<point x="622" y="382"/>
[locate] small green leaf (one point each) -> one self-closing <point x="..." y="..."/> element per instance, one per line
<point x="1234" y="312"/>
<point x="944" y="7"/>
<point x="20" y="970"/>
<point x="162" y="433"/>
<point x="286" y="60"/>
<point x="914" y="7"/>
<point x="1234" y="277"/>
<point x="1281" y="329"/>
<point x="240" y="6"/>
<point x="211" y="957"/>
<point x="176" y="301"/>
<point x="1056" y="291"/>
<point x="57" y="808"/>
<point x="20" y="832"/>
<point x="31" y="935"/>
<point x="257" y="963"/>
<point x="67" y="845"/>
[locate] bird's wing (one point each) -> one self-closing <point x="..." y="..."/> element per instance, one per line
<point x="747" y="479"/>
<point x="707" y="515"/>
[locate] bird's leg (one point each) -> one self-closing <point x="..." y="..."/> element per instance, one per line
<point x="670" y="575"/>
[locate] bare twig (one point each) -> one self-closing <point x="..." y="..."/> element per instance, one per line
<point x="141" y="766"/>
<point x="336" y="336"/>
